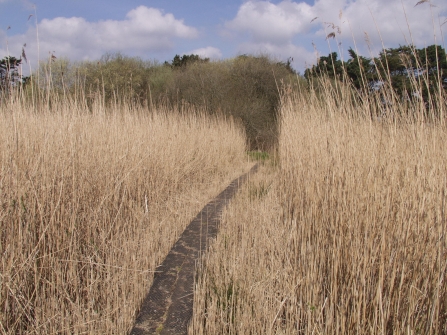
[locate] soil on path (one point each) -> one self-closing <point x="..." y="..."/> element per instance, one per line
<point x="168" y="306"/>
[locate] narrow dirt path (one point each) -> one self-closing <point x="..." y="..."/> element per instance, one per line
<point x="168" y="306"/>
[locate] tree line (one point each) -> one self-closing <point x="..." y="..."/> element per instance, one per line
<point x="244" y="87"/>
<point x="412" y="73"/>
<point x="10" y="75"/>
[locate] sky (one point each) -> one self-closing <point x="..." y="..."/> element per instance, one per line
<point x="158" y="30"/>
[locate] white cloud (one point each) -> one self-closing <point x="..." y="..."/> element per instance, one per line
<point x="274" y="28"/>
<point x="207" y="52"/>
<point x="267" y="22"/>
<point x="271" y="29"/>
<point x="301" y="56"/>
<point x="142" y="31"/>
<point x="387" y="21"/>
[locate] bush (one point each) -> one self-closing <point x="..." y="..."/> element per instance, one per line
<point x="245" y="87"/>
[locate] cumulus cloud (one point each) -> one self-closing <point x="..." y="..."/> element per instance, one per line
<point x="207" y="52"/>
<point x="301" y="56"/>
<point x="279" y="28"/>
<point x="271" y="29"/>
<point x="142" y="31"/>
<point x="373" y="22"/>
<point x="268" y="22"/>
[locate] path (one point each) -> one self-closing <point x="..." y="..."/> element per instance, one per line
<point x="168" y="306"/>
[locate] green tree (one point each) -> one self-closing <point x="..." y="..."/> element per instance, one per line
<point x="405" y="66"/>
<point x="397" y="65"/>
<point x="360" y="70"/>
<point x="433" y="62"/>
<point x="116" y="76"/>
<point x="245" y="87"/>
<point x="9" y="74"/>
<point x="329" y="66"/>
<point x="288" y="65"/>
<point x="411" y="72"/>
<point x="185" y="60"/>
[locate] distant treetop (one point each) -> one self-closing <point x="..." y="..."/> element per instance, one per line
<point x="185" y="60"/>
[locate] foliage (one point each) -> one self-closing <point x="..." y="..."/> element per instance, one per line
<point x="329" y="66"/>
<point x="185" y="60"/>
<point x="58" y="74"/>
<point x="245" y="88"/>
<point x="9" y="73"/>
<point x="288" y="65"/>
<point x="359" y="70"/>
<point x="399" y="67"/>
<point x="405" y="64"/>
<point x="116" y="75"/>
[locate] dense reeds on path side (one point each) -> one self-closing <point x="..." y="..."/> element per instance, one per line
<point x="344" y="234"/>
<point x="91" y="200"/>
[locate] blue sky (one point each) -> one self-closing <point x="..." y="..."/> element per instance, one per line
<point x="86" y="29"/>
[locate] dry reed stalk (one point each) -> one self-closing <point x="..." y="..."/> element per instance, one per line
<point x="350" y="238"/>
<point x="90" y="203"/>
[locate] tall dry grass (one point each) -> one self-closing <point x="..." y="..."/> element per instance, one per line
<point x="346" y="236"/>
<point x="90" y="203"/>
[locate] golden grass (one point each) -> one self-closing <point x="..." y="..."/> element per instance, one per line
<point x="90" y="204"/>
<point x="346" y="236"/>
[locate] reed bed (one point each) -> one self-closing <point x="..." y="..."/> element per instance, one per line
<point x="346" y="236"/>
<point x="91" y="200"/>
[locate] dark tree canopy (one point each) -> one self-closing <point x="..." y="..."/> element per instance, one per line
<point x="327" y="65"/>
<point x="9" y="73"/>
<point x="185" y="60"/>
<point x="360" y="70"/>
<point x="401" y="67"/>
